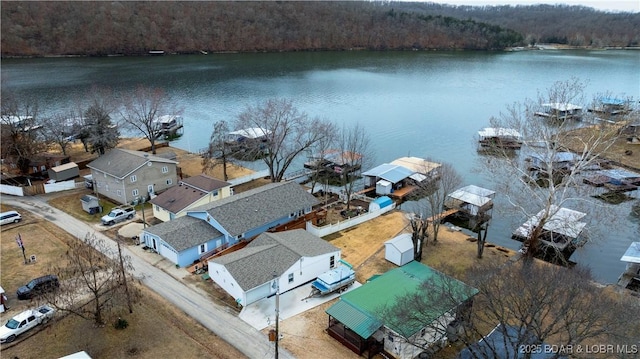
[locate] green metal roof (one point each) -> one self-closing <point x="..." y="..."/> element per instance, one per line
<point x="371" y="297"/>
<point x="363" y="323"/>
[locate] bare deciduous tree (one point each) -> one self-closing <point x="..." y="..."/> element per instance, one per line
<point x="20" y="131"/>
<point x="93" y="279"/>
<point x="433" y="191"/>
<point x="539" y="181"/>
<point x="355" y="153"/>
<point x="220" y="151"/>
<point x="142" y="110"/>
<point x="58" y="130"/>
<point x="289" y="133"/>
<point x="553" y="304"/>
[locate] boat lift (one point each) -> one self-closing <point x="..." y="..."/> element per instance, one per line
<point x="334" y="280"/>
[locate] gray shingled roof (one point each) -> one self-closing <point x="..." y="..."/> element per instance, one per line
<point x="248" y="210"/>
<point x="119" y="163"/>
<point x="272" y="253"/>
<point x="205" y="183"/>
<point x="184" y="232"/>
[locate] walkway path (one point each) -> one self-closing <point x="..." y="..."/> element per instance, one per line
<point x="220" y="320"/>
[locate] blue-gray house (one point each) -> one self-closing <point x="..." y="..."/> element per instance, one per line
<point x="222" y="223"/>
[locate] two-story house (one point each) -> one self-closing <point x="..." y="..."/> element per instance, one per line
<point x="126" y="175"/>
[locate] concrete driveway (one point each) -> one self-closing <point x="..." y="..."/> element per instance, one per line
<point x="219" y="320"/>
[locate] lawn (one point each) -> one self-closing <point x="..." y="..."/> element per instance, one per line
<point x="156" y="329"/>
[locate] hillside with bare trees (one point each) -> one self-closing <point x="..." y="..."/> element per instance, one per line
<point x="45" y="28"/>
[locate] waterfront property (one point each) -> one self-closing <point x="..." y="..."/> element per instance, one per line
<point x="168" y="126"/>
<point x="209" y="229"/>
<point x="560" y="232"/>
<point x="125" y="175"/>
<point x="290" y="258"/>
<point x="497" y="137"/>
<point x="472" y="203"/>
<point x="609" y="107"/>
<point x="558" y="161"/>
<point x="560" y="111"/>
<point x="630" y="278"/>
<point x="190" y="193"/>
<point x="332" y="162"/>
<point x="615" y="180"/>
<point x="357" y="321"/>
<point x="401" y="177"/>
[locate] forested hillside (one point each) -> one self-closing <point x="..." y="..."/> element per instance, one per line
<point x="571" y="25"/>
<point x="32" y="28"/>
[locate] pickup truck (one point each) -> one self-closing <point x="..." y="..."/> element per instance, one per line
<point x="118" y="214"/>
<point x="25" y="321"/>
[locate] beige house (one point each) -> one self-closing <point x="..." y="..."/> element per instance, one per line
<point x="190" y="193"/>
<point x="125" y="175"/>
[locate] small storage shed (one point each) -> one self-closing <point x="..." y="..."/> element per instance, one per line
<point x="380" y="203"/>
<point x="399" y="250"/>
<point x="90" y="204"/>
<point x="64" y="172"/>
<point x="384" y="187"/>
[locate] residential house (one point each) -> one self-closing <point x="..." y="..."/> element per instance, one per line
<point x="40" y="163"/>
<point x="291" y="258"/>
<point x="126" y="175"/>
<point x="358" y="322"/>
<point x="237" y="218"/>
<point x="190" y="193"/>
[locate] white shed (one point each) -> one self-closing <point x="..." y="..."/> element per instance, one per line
<point x="384" y="187"/>
<point x="399" y="250"/>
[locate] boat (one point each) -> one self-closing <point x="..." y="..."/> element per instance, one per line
<point x="498" y="137"/>
<point x="560" y="111"/>
<point x="334" y="280"/>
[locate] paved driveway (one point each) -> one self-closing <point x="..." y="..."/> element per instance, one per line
<point x="219" y="320"/>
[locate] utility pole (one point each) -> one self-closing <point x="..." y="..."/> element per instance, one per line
<point x="123" y="273"/>
<point x="277" y="284"/>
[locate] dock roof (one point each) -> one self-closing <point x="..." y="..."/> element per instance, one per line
<point x="561" y="106"/>
<point x="499" y="132"/>
<point x="563" y="221"/>
<point x="632" y="255"/>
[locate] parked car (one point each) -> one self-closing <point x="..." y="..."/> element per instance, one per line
<point x="118" y="214"/>
<point x="10" y="217"/>
<point x="37" y="286"/>
<point x="25" y="321"/>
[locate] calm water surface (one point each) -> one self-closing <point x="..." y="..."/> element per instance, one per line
<point x="426" y="104"/>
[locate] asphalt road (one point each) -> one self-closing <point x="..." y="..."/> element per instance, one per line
<point x="251" y="342"/>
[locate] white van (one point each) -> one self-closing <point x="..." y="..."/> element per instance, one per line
<point x="10" y="217"/>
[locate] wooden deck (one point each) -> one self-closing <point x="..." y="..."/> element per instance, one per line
<point x="442" y="215"/>
<point x="402" y="192"/>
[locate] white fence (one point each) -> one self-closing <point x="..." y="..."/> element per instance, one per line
<point x="60" y="186"/>
<point x="336" y="227"/>
<point x="12" y="190"/>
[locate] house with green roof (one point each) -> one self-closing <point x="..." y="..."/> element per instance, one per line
<point x="362" y="320"/>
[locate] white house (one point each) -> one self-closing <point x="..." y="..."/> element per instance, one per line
<point x="399" y="250"/>
<point x="291" y="258"/>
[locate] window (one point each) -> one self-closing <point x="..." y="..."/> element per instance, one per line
<point x="135" y="193"/>
<point x="165" y="169"/>
<point x="169" y="181"/>
<point x="150" y="188"/>
<point x="133" y="178"/>
<point x="215" y="193"/>
<point x="390" y="337"/>
<point x="290" y="277"/>
<point x="202" y="248"/>
<point x="119" y="193"/>
<point x="332" y="261"/>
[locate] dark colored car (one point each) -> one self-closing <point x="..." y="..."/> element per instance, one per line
<point x="37" y="286"/>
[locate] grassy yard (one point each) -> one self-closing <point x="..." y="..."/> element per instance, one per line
<point x="156" y="329"/>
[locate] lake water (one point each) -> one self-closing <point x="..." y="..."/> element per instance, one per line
<point x="425" y="104"/>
